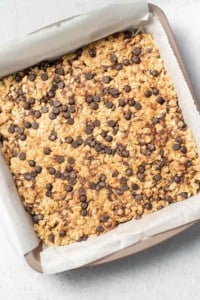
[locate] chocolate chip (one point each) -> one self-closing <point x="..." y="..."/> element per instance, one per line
<point x="37" y="114"/>
<point x="102" y="177"/>
<point x="75" y="144"/>
<point x="148" y="206"/>
<point x="68" y="188"/>
<point x="71" y="160"/>
<point x="155" y="91"/>
<point x="137" y="51"/>
<point x="111" y="123"/>
<point x="53" y="136"/>
<point x="31" y="77"/>
<point x="89" y="99"/>
<point x="62" y="233"/>
<point x="118" y="67"/>
<point x="35" y="125"/>
<point x="99" y="229"/>
<point x="128" y="115"/>
<point x="127" y="88"/>
<point x="58" y="174"/>
<point x="22" y="137"/>
<point x="138" y="106"/>
<point x="147" y="93"/>
<point x="44" y="109"/>
<point x="69" y="169"/>
<point x="48" y="194"/>
<point x="57" y="103"/>
<point x="64" y="108"/>
<point x="126" y="62"/>
<point x="59" y="159"/>
<point x="129" y="172"/>
<point x="115" y="173"/>
<point x="55" y="112"/>
<point x="92" y="185"/>
<point x="20" y="130"/>
<point x="109" y="104"/>
<point x="157" y="177"/>
<point x="59" y="70"/>
<point x="38" y="169"/>
<point x="135" y="186"/>
<point x="176" y="146"/>
<point x="52" y="170"/>
<point x="31" y="163"/>
<point x="51" y="238"/>
<point x="131" y="102"/>
<point x="106" y="79"/>
<point x="69" y="139"/>
<point x="125" y="153"/>
<point x="155" y="73"/>
<point x="27" y="176"/>
<point x="11" y="129"/>
<point x="96" y="123"/>
<point x="79" y="140"/>
<point x="188" y="163"/>
<point x="160" y="100"/>
<point x="183" y="149"/>
<point x="92" y="52"/>
<point x="22" y="156"/>
<point x="109" y="138"/>
<point x="113" y="58"/>
<point x="61" y="85"/>
<point x="84" y="205"/>
<point x="89" y="129"/>
<point x="138" y="197"/>
<point x="155" y="120"/>
<point x="122" y="103"/>
<point x="89" y="76"/>
<point x="27" y="124"/>
<point x="140" y="176"/>
<point x="38" y="218"/>
<point x="44" y="76"/>
<point x="27" y="106"/>
<point x="94" y="105"/>
<point x="177" y="179"/>
<point x="96" y="98"/>
<point x="127" y="34"/>
<point x="179" y="140"/>
<point x="108" y="150"/>
<point x="51" y="94"/>
<point x="54" y="87"/>
<point x="49" y="186"/>
<point x="47" y="151"/>
<point x="83" y="198"/>
<point x="169" y="199"/>
<point x="70" y="121"/>
<point x="18" y="78"/>
<point x="66" y="115"/>
<point x="104" y="218"/>
<point x="84" y="212"/>
<point x="136" y="60"/>
<point x="114" y="92"/>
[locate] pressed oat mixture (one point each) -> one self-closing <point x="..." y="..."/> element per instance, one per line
<point x="96" y="138"/>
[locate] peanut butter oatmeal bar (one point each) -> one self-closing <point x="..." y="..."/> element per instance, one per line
<point x="96" y="138"/>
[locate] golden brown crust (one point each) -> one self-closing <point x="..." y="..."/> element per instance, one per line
<point x="96" y="139"/>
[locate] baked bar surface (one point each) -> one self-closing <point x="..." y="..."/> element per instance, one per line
<point x="96" y="138"/>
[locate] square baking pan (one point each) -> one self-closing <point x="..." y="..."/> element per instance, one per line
<point x="33" y="257"/>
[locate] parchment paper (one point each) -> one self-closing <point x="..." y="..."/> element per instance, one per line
<point x="57" y="259"/>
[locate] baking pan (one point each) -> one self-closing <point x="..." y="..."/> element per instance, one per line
<point x="33" y="257"/>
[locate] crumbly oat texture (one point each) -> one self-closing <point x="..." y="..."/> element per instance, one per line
<point x="96" y="138"/>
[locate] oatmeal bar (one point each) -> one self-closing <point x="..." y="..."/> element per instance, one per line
<point x="96" y="138"/>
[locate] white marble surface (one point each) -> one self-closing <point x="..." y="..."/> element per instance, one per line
<point x="167" y="271"/>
